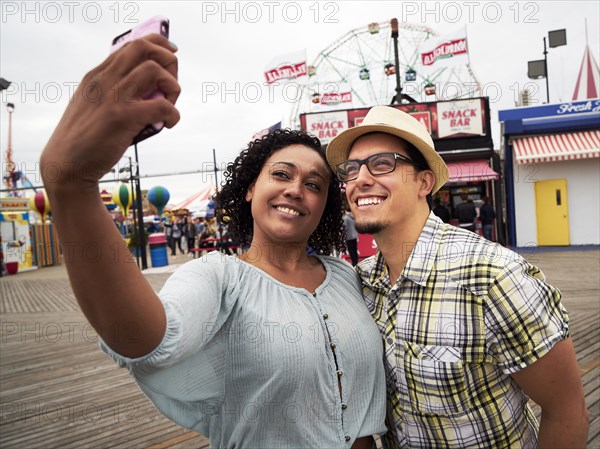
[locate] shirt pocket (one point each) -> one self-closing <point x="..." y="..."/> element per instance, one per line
<point x="435" y="378"/>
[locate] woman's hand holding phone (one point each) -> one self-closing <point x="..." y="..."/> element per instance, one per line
<point x="107" y="112"/>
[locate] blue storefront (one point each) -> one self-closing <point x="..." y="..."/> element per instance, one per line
<point x="552" y="174"/>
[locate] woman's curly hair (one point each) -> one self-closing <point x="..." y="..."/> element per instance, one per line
<point x="233" y="209"/>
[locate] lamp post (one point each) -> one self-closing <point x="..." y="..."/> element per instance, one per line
<point x="399" y="95"/>
<point x="10" y="178"/>
<point x="140" y="211"/>
<point x="130" y="179"/>
<point x="539" y="69"/>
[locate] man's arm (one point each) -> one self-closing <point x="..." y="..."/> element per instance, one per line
<point x="554" y="383"/>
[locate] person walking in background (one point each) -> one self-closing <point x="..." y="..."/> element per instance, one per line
<point x="466" y="213"/>
<point x="487" y="214"/>
<point x="351" y="235"/>
<point x="199" y="225"/>
<point x="176" y="235"/>
<point x="168" y="227"/>
<point x="440" y="210"/>
<point x="190" y="234"/>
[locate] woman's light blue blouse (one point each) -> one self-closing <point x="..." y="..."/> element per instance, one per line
<point x="250" y="362"/>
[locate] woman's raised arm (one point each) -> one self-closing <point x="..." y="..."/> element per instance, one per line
<point x="106" y="112"/>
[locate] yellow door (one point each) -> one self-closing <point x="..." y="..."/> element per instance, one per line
<point x="552" y="212"/>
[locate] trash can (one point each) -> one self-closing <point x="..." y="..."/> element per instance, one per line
<point x="158" y="249"/>
<point x="11" y="267"/>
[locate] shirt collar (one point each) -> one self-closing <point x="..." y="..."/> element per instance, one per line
<point x="420" y="263"/>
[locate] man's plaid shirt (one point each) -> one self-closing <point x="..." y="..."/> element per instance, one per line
<point x="464" y="315"/>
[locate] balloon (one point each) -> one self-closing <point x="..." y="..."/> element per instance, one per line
<point x="122" y="197"/>
<point x="210" y="210"/>
<point x="39" y="203"/>
<point x="159" y="197"/>
<point x="107" y="200"/>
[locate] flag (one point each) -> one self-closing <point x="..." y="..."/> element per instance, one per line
<point x="290" y="66"/>
<point x="264" y="132"/>
<point x="445" y="51"/>
<point x="331" y="96"/>
<point x="342" y="94"/>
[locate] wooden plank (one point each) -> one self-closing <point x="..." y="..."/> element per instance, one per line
<point x="60" y="390"/>
<point x="186" y="436"/>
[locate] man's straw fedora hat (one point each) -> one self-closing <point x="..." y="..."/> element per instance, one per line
<point x="395" y="122"/>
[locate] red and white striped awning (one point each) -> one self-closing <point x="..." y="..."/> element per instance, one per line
<point x="557" y="147"/>
<point x="471" y="171"/>
<point x="197" y="200"/>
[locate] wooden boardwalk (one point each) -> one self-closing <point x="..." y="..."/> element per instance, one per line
<point x="58" y="390"/>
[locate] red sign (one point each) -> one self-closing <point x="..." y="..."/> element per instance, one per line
<point x="445" y="50"/>
<point x="366" y="246"/>
<point x="288" y="71"/>
<point x="443" y="119"/>
<point x="423" y="117"/>
<point x="336" y="98"/>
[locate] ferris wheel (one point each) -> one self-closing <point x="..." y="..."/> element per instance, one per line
<point x="363" y="62"/>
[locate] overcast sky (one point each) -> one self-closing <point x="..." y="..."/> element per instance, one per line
<point x="46" y="48"/>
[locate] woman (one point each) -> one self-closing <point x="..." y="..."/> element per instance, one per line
<point x="271" y="349"/>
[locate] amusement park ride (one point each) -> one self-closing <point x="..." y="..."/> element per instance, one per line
<point x="362" y="69"/>
<point x="370" y="62"/>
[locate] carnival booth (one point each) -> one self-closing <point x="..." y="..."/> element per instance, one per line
<point x="43" y="232"/>
<point x="461" y="132"/>
<point x="17" y="249"/>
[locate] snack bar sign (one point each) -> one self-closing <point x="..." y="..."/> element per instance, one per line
<point x="459" y="117"/>
<point x="328" y="125"/>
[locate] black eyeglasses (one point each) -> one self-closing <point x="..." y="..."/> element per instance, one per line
<point x="377" y="164"/>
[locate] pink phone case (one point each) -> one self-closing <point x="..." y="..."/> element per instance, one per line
<point x="156" y="25"/>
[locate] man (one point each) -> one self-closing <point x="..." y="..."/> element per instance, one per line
<point x="176" y="234"/>
<point x="466" y="213"/>
<point x="440" y="210"/>
<point x="470" y="329"/>
<point x="189" y="228"/>
<point x="487" y="215"/>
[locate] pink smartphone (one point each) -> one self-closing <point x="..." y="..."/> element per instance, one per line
<point x="156" y="25"/>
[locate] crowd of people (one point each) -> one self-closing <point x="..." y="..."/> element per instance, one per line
<point x="190" y="234"/>
<point x="438" y="340"/>
<point x="187" y="234"/>
<point x="467" y="214"/>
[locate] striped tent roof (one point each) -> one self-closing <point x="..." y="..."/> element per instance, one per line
<point x="588" y="81"/>
<point x="195" y="201"/>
